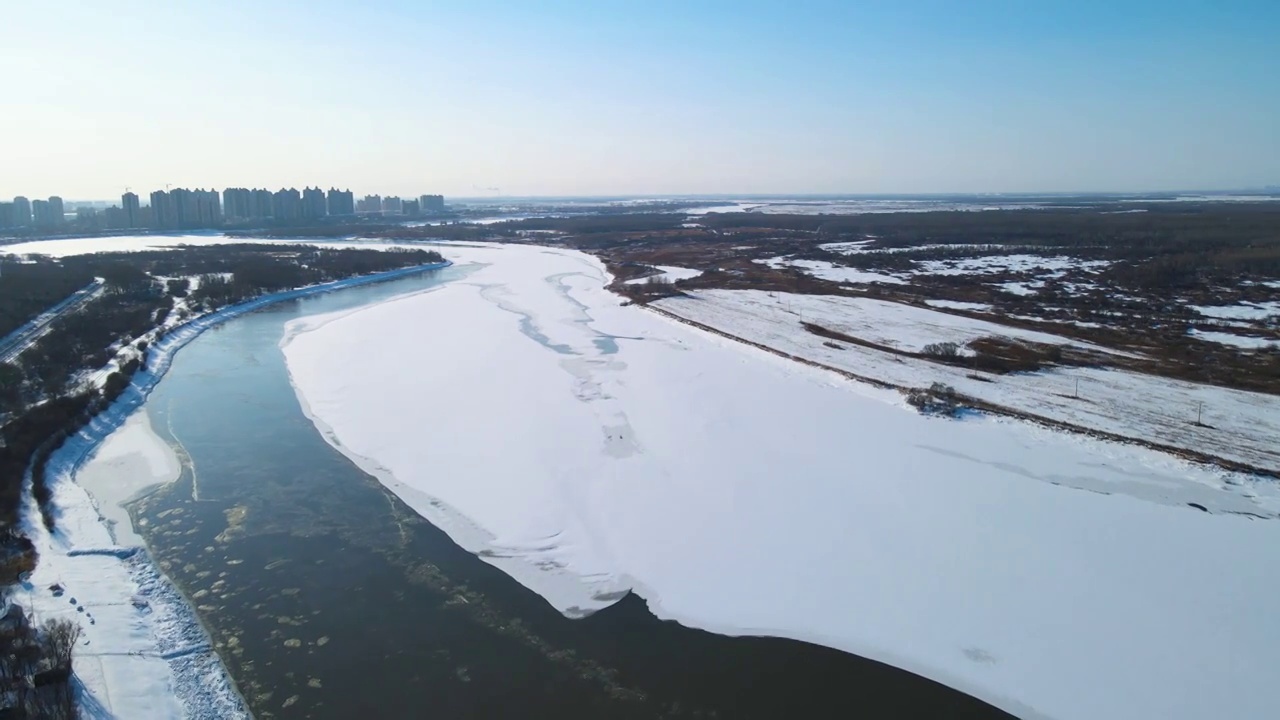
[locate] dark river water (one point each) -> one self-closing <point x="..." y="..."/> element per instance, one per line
<point x="327" y="597"/>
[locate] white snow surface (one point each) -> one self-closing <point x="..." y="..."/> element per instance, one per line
<point x="1246" y="342"/>
<point x="824" y="270"/>
<point x="959" y="305"/>
<point x="892" y="324"/>
<point x="1021" y="288"/>
<point x="852" y="247"/>
<point x="668" y="273"/>
<point x="1241" y="426"/>
<point x="1017" y="263"/>
<point x="142" y="653"/>
<point x="747" y="494"/>
<point x="1243" y="311"/>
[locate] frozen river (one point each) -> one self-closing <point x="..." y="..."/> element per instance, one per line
<point x="328" y="596"/>
<point x="475" y="491"/>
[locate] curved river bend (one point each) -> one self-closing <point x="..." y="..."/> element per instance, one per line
<point x="327" y="597"/>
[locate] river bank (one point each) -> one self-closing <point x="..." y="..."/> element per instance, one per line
<point x="144" y="651"/>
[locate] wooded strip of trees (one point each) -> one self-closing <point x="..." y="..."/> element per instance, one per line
<point x="40" y="408"/>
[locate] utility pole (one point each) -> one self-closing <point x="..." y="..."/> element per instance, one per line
<point x="1076" y="394"/>
<point x="1199" y="412"/>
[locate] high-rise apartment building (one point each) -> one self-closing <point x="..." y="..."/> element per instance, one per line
<point x="340" y="202"/>
<point x="57" y="210"/>
<point x="208" y="209"/>
<point x="164" y="215"/>
<point x="237" y="204"/>
<point x="431" y="203"/>
<point x="313" y="203"/>
<point x="42" y="214"/>
<point x="262" y="205"/>
<point x="391" y="205"/>
<point x="286" y="205"/>
<point x="6" y="215"/>
<point x="21" y="212"/>
<point x="129" y="205"/>
<point x="114" y="218"/>
<point x="370" y="204"/>
<point x="410" y="208"/>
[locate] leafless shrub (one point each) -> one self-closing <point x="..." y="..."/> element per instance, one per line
<point x="942" y="350"/>
<point x="937" y="399"/>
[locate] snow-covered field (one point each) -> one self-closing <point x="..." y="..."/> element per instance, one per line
<point x="1244" y="342"/>
<point x="892" y="324"/>
<point x="586" y="447"/>
<point x="1242" y="426"/>
<point x="667" y="273"/>
<point x="959" y="305"/>
<point x="1034" y="267"/>
<point x="824" y="270"/>
<point x="991" y="264"/>
<point x="1023" y="289"/>
<point x="1243" y="311"/>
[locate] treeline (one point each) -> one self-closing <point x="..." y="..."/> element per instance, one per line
<point x="245" y="272"/>
<point x="41" y="407"/>
<point x="1154" y="246"/>
<point x="35" y="667"/>
<point x="28" y="289"/>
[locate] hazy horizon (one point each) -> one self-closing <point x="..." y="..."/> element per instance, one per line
<point x="609" y="100"/>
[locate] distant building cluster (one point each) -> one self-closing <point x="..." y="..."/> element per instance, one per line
<point x="23" y="213"/>
<point x="183" y="209"/>
<point x="393" y="205"/>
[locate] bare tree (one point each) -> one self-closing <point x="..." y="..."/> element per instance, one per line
<point x="60" y="637"/>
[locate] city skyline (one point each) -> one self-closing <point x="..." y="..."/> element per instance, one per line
<point x="513" y="99"/>
<point x="187" y="209"/>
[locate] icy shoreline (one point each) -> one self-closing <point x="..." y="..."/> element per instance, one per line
<point x="145" y="653"/>
<point x="588" y="448"/>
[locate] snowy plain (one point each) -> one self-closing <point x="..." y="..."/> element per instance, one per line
<point x="1244" y="342"/>
<point x="667" y="273"/>
<point x="824" y="270"/>
<point x="1238" y="425"/>
<point x="587" y="448"/>
<point x="1242" y="311"/>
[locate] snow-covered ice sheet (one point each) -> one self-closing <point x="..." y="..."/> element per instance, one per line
<point x="585" y="447"/>
<point x="132" y="460"/>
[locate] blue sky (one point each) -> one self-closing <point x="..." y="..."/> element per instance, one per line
<point x="663" y="97"/>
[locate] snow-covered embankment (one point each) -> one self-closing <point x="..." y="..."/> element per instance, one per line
<point x="143" y="652"/>
<point x="588" y="448"/>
